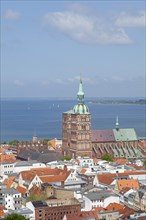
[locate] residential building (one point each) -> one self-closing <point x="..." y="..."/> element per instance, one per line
<point x="55" y="209"/>
<point x="100" y="198"/>
<point x="126" y="183"/>
<point x="11" y="198"/>
<point x="140" y="200"/>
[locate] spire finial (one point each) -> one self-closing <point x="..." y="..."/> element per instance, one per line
<point x="80" y="78"/>
<point x="117" y="123"/>
<point x="80" y="94"/>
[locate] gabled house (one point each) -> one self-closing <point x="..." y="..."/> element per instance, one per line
<point x="139" y="199"/>
<point x="35" y="177"/>
<point x="108" y="179"/>
<point x="126" y="183"/>
<point x="143" y="202"/>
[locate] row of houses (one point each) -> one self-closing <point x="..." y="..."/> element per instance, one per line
<point x="81" y="188"/>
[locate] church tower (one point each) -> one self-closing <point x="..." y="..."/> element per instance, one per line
<point x="76" y="128"/>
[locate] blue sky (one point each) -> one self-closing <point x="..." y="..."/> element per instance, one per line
<point x="46" y="45"/>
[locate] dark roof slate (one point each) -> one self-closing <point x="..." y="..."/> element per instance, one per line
<point x="102" y="136"/>
<point x="43" y="157"/>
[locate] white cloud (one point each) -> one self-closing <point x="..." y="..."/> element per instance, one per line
<point x="18" y="82"/>
<point x="117" y="78"/>
<point x="69" y="81"/>
<point x="12" y="15"/>
<point x="86" y="28"/>
<point x="127" y="20"/>
<point x="60" y="81"/>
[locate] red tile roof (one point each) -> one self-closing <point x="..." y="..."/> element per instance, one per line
<point x="21" y="190"/>
<point x="114" y="206"/>
<point x="89" y="214"/>
<point x="122" y="161"/>
<point x="5" y="157"/>
<point x="131" y="183"/>
<point x="126" y="212"/>
<point x="98" y="209"/>
<point x="2" y="214"/>
<point x="46" y="174"/>
<point x="108" y="178"/>
<point x="136" y="167"/>
<point x="51" y="179"/>
<point x="9" y="181"/>
<point x="83" y="171"/>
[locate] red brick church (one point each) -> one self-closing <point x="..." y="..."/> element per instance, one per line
<point x="78" y="139"/>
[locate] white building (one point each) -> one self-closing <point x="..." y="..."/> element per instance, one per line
<point x="27" y="165"/>
<point x="11" y="198"/>
<point x="100" y="198"/>
<point x="6" y="168"/>
<point x="86" y="162"/>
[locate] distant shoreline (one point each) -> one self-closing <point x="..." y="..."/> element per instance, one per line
<point x="117" y="102"/>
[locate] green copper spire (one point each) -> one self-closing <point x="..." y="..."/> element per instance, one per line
<point x="80" y="107"/>
<point x="80" y="94"/>
<point x="117" y="123"/>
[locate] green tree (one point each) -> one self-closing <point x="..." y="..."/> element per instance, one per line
<point x="44" y="140"/>
<point x="14" y="142"/>
<point x="144" y="164"/>
<point x="36" y="197"/>
<point x="107" y="157"/>
<point x="3" y="142"/>
<point x="67" y="158"/>
<point x="14" y="216"/>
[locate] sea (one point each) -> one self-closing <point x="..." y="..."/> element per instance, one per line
<point x="21" y="119"/>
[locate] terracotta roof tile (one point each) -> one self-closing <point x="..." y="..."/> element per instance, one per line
<point x="89" y="214"/>
<point x="2" y="214"/>
<point x="114" y="206"/>
<point x="122" y="161"/>
<point x="51" y="179"/>
<point x="4" y="157"/>
<point x="131" y="183"/>
<point x="98" y="209"/>
<point x="9" y="181"/>
<point x="135" y="166"/>
<point x="126" y="212"/>
<point x="45" y="174"/>
<point x="108" y="177"/>
<point x="95" y="160"/>
<point x="21" y="190"/>
<point x="52" y="143"/>
<point x="83" y="171"/>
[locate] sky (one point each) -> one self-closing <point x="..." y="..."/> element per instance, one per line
<point x="47" y="45"/>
